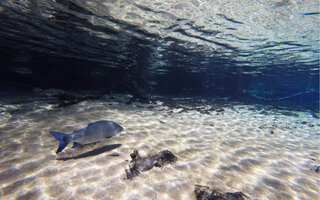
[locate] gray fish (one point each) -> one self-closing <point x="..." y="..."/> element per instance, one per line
<point x="94" y="132"/>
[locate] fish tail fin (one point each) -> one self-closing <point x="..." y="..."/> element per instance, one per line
<point x="63" y="138"/>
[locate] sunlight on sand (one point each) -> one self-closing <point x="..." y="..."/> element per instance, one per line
<point x="265" y="153"/>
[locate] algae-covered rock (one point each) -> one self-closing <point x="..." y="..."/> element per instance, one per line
<point x="140" y="164"/>
<point x="205" y="193"/>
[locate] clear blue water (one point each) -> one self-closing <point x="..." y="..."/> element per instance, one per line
<point x="266" y="52"/>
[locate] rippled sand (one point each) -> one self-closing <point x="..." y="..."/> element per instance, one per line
<point x="266" y="154"/>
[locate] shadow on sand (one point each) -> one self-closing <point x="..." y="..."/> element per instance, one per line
<point x="93" y="152"/>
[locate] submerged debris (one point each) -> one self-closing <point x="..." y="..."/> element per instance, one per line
<point x="139" y="164"/>
<point x="315" y="115"/>
<point x="204" y="193"/>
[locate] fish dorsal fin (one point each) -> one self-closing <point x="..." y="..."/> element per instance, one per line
<point x="92" y="123"/>
<point x="97" y="122"/>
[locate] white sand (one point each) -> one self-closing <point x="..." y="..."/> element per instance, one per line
<point x="231" y="151"/>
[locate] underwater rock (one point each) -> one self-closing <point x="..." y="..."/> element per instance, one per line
<point x="159" y="103"/>
<point x="64" y="98"/>
<point x="22" y="70"/>
<point x="315" y="115"/>
<point x="152" y="83"/>
<point x="124" y="98"/>
<point x="182" y="98"/>
<point x="177" y="110"/>
<point x="48" y="92"/>
<point x="204" y="193"/>
<point x="139" y="164"/>
<point x="220" y="110"/>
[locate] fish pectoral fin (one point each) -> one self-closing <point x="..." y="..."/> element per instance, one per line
<point x="75" y="145"/>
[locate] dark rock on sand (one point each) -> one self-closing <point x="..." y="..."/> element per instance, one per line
<point x="204" y="193"/>
<point x="64" y="98"/>
<point x="220" y="110"/>
<point x="140" y="164"/>
<point x="316" y="168"/>
<point x="315" y="115"/>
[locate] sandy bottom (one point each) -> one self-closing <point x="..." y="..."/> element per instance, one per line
<point x="265" y="153"/>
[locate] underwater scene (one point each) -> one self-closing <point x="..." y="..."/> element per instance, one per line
<point x="159" y="100"/>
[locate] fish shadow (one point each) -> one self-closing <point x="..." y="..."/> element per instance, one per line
<point x="93" y="152"/>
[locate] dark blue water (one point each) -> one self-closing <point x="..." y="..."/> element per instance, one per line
<point x="252" y="52"/>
